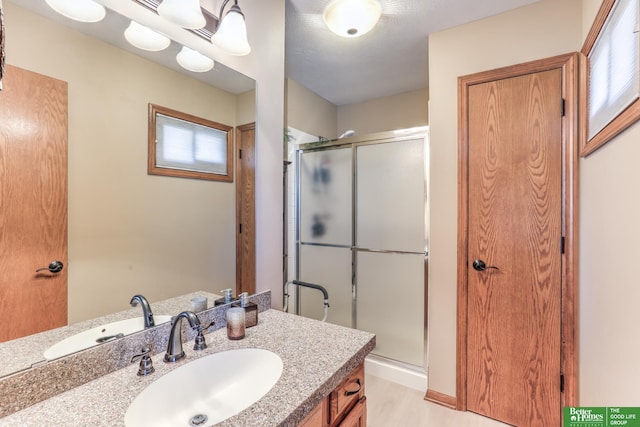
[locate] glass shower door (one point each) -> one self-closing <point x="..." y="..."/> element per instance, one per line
<point x="362" y="235"/>
<point x="391" y="246"/>
<point x="325" y="232"/>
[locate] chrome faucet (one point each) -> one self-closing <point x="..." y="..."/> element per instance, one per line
<point x="174" y="348"/>
<point x="146" y="309"/>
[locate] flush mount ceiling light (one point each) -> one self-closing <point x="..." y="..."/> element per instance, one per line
<point x="352" y="18"/>
<point x="145" y="38"/>
<point x="186" y="13"/>
<point x="192" y="60"/>
<point x="231" y="32"/>
<point x="78" y="10"/>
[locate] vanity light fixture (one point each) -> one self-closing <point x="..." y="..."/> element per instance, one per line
<point x="186" y="13"/>
<point x="192" y="60"/>
<point x="352" y="18"/>
<point x="145" y="38"/>
<point x="78" y="10"/>
<point x="228" y="32"/>
<point x="231" y="32"/>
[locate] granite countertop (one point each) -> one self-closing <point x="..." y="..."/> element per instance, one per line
<point x="24" y="352"/>
<point x="317" y="356"/>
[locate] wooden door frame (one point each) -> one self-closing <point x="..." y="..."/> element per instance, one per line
<point x="568" y="63"/>
<point x="245" y="280"/>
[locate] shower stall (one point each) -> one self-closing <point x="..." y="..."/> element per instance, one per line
<point x="359" y="228"/>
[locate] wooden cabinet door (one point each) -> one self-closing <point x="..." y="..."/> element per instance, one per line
<point x="317" y="417"/>
<point x="344" y="396"/>
<point x="358" y="415"/>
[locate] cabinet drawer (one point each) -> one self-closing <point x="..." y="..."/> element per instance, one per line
<point x="347" y="394"/>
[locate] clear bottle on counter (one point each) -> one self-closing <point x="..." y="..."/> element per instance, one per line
<point x="226" y="299"/>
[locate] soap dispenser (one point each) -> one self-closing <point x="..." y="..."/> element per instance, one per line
<point x="250" y="308"/>
<point x="228" y="297"/>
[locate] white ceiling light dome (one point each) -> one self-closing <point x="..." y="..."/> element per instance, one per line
<point x="192" y="60"/>
<point x="145" y="38"/>
<point x="78" y="10"/>
<point x="186" y="13"/>
<point x="352" y="18"/>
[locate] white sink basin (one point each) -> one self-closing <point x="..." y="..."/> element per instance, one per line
<point x="217" y="387"/>
<point x="92" y="337"/>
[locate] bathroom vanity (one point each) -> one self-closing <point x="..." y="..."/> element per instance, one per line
<point x="346" y="406"/>
<point x="322" y="381"/>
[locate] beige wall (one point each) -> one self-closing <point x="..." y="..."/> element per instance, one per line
<point x="265" y="64"/>
<point x="401" y="111"/>
<point x="609" y="286"/>
<point x="129" y="232"/>
<point x="309" y="112"/>
<point x="540" y="30"/>
<point x="246" y="112"/>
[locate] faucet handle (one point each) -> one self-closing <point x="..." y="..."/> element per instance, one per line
<point x="200" y="342"/>
<point x="146" y="363"/>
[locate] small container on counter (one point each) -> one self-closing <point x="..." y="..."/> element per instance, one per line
<point x="226" y="299"/>
<point x="250" y="308"/>
<point x="235" y="323"/>
<point x="198" y="304"/>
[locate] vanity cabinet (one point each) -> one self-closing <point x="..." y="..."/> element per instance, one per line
<point x="346" y="406"/>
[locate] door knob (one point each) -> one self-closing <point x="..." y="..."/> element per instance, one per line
<point x="54" y="267"/>
<point x="480" y="265"/>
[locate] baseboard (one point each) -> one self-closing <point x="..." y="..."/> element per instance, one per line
<point x="441" y="399"/>
<point x="390" y="371"/>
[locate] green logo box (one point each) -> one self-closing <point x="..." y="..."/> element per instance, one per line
<point x="601" y="416"/>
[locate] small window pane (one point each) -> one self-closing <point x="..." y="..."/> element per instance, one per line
<point x="178" y="150"/>
<point x="210" y="149"/>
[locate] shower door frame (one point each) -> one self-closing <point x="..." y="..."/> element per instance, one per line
<point x="353" y="143"/>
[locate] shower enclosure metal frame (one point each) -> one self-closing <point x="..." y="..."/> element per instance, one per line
<point x="353" y="143"/>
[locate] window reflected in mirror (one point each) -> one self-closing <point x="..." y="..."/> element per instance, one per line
<point x="186" y="146"/>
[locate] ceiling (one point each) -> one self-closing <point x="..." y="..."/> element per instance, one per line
<point x="389" y="60"/>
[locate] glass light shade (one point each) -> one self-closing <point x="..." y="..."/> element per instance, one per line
<point x="352" y="18"/>
<point x="78" y="10"/>
<point x="186" y="13"/>
<point x="231" y="35"/>
<point x="192" y="60"/>
<point x="145" y="38"/>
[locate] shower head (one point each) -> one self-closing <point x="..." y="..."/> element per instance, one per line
<point x="347" y="134"/>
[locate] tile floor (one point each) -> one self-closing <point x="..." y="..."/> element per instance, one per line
<point x="393" y="405"/>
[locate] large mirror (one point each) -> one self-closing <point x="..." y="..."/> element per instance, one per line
<point x="129" y="232"/>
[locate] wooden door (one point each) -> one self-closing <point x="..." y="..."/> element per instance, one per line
<point x="515" y="229"/>
<point x="33" y="202"/>
<point x="246" y="209"/>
